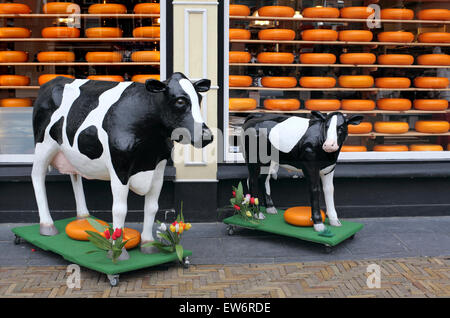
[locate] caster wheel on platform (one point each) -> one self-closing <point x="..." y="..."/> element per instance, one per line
<point x="186" y="262"/>
<point x="230" y="230"/>
<point x="352" y="237"/>
<point x="113" y="280"/>
<point x="328" y="249"/>
<point x="17" y="240"/>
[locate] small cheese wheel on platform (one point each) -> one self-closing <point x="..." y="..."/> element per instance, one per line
<point x="353" y="148"/>
<point x="323" y="104"/>
<point x="356" y="81"/>
<point x="319" y="35"/>
<point x="16" y="102"/>
<point x="55" y="57"/>
<point x="242" y="104"/>
<point x="391" y="127"/>
<point x="102" y="57"/>
<point x="13" y="56"/>
<point x="61" y="8"/>
<point x="425" y="147"/>
<point x="107" y="8"/>
<point x="301" y="216"/>
<point x="357" y="58"/>
<point x="317" y="58"/>
<point x="146" y="56"/>
<point x="240" y="81"/>
<point x="239" y="10"/>
<point x="434" y="14"/>
<point x="396" y="36"/>
<point x="147" y="32"/>
<point x="14" y="80"/>
<point x="397" y="14"/>
<point x="275" y="58"/>
<point x="361" y="128"/>
<point x="142" y="78"/>
<point x="355" y="36"/>
<point x="431" y="104"/>
<point x="431" y="82"/>
<point x="60" y="32"/>
<point x="48" y="77"/>
<point x="432" y="126"/>
<point x="282" y="104"/>
<point x="239" y="34"/>
<point x="357" y="105"/>
<point x="107" y="78"/>
<point x="14" y="8"/>
<point x="434" y="37"/>
<point x="147" y="8"/>
<point x="395" y="59"/>
<point x="104" y="32"/>
<point x="392" y="82"/>
<point x="397" y="104"/>
<point x="317" y="82"/>
<point x="276" y="34"/>
<point x="434" y="59"/>
<point x="14" y="32"/>
<point x="321" y="12"/>
<point x="279" y="81"/>
<point x="356" y="12"/>
<point x="390" y="148"/>
<point x="276" y="11"/>
<point x="239" y="57"/>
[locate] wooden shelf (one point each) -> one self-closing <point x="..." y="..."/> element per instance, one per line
<point x="340" y="89"/>
<point x="375" y="112"/>
<point x="20" y="87"/>
<point x="411" y="133"/>
<point x="82" y="64"/>
<point x="300" y="42"/>
<point x="82" y="16"/>
<point x="79" y="39"/>
<point x="338" y="65"/>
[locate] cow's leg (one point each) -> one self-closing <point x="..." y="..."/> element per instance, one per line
<point x="80" y="201"/>
<point x="270" y="207"/>
<point x="119" y="208"/>
<point x="254" y="171"/>
<point x="43" y="155"/>
<point x="328" y="191"/>
<point x="313" y="177"/>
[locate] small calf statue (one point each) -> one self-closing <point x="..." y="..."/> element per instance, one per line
<point x="299" y="144"/>
<point x="120" y="132"/>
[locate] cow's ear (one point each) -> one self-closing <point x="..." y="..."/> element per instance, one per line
<point x="202" y="86"/>
<point x="155" y="86"/>
<point x="355" y="120"/>
<point x="318" y="115"/>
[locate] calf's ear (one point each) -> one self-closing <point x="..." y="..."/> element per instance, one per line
<point x="202" y="86"/>
<point x="355" y="120"/>
<point x="318" y="115"/>
<point x="155" y="86"/>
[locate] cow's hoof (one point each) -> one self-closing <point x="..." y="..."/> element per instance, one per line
<point x="271" y="210"/>
<point x="148" y="249"/>
<point x="335" y="222"/>
<point x="48" y="229"/>
<point x="319" y="227"/>
<point x="83" y="216"/>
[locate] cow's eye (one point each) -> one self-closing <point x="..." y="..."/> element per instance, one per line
<point x="181" y="102"/>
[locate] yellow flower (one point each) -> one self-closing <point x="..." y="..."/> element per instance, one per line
<point x="188" y="226"/>
<point x="180" y="230"/>
<point x="172" y="228"/>
<point x="248" y="213"/>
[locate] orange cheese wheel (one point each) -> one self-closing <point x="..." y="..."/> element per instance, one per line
<point x="397" y="14"/>
<point x="93" y="57"/>
<point x="352" y="148"/>
<point x="392" y="82"/>
<point x="387" y="148"/>
<point x="432" y="126"/>
<point x="301" y="216"/>
<point x="104" y="32"/>
<point x="276" y="11"/>
<point x="276" y="34"/>
<point x="61" y="8"/>
<point x="239" y="34"/>
<point x="147" y="32"/>
<point x="279" y="81"/>
<point x="357" y="58"/>
<point x="355" y="36"/>
<point x="398" y="104"/>
<point x="16" y="102"/>
<point x="55" y="56"/>
<point x="282" y="104"/>
<point x="147" y="8"/>
<point x="14" y="8"/>
<point x="431" y="82"/>
<point x="13" y="32"/>
<point x="242" y="104"/>
<point x="60" y="32"/>
<point x="239" y="10"/>
<point x="434" y="37"/>
<point x="321" y="12"/>
<point x="395" y="59"/>
<point x="317" y="82"/>
<point x="356" y="12"/>
<point x="319" y="35"/>
<point x="391" y="127"/>
<point x="434" y="14"/>
<point x="13" y="56"/>
<point x="108" y="78"/>
<point x="425" y="147"/>
<point x="323" y="104"/>
<point x="239" y="57"/>
<point x="433" y="59"/>
<point x="317" y="58"/>
<point x="355" y="81"/>
<point x="362" y="128"/>
<point x="240" y="80"/>
<point x="142" y="78"/>
<point x="396" y="36"/>
<point x="107" y="8"/>
<point x="48" y="77"/>
<point x="275" y="57"/>
<point x="14" y="80"/>
<point x="431" y="104"/>
<point x="357" y="104"/>
<point x="146" y="56"/>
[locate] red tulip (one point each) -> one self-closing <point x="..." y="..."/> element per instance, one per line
<point x="237" y="207"/>
<point x="252" y="201"/>
<point x="107" y="234"/>
<point x="234" y="194"/>
<point x="117" y="232"/>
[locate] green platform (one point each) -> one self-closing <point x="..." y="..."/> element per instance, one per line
<point x="75" y="251"/>
<point x="275" y="223"/>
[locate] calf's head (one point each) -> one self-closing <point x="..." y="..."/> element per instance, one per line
<point x="180" y="108"/>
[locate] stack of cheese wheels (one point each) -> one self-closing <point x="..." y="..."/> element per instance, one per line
<point x="13" y="56"/>
<point x="276" y="11"/>
<point x="61" y="8"/>
<point x="279" y="81"/>
<point x="103" y="57"/>
<point x="14" y="32"/>
<point x="397" y="14"/>
<point x="431" y="104"/>
<point x="357" y="104"/>
<point x="239" y="57"/>
<point x="388" y="148"/>
<point x="147" y="8"/>
<point x="434" y="14"/>
<point x="357" y="58"/>
<point x="16" y="102"/>
<point x="48" y="77"/>
<point x="361" y="128"/>
<point x="356" y="12"/>
<point x="14" y="8"/>
<point x="242" y="104"/>
<point x="107" y="78"/>
<point x="317" y="58"/>
<point x="425" y="147"/>
<point x="147" y="32"/>
<point x="60" y="32"/>
<point x="396" y="36"/>
<point x="301" y="216"/>
<point x="391" y="127"/>
<point x="355" y="36"/>
<point x="431" y="82"/>
<point x="239" y="34"/>
<point x="317" y="82"/>
<point x="434" y="37"/>
<point x="282" y="104"/>
<point x="321" y="12"/>
<point x="397" y="104"/>
<point x="434" y="59"/>
<point x="277" y="34"/>
<point x="239" y="10"/>
<point x="355" y="81"/>
<point x="14" y="80"/>
<point x="56" y="57"/>
<point x="240" y="80"/>
<point x="104" y="32"/>
<point x="392" y="82"/>
<point x="395" y="59"/>
<point x="146" y="56"/>
<point x="275" y="58"/>
<point x="142" y="78"/>
<point x="432" y="126"/>
<point x="323" y="104"/>
<point x="353" y="148"/>
<point x="319" y="35"/>
<point x="107" y="8"/>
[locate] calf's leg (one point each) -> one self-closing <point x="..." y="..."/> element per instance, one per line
<point x="254" y="171"/>
<point x="119" y="208"/>
<point x="328" y="191"/>
<point x="80" y="201"/>
<point x="312" y="175"/>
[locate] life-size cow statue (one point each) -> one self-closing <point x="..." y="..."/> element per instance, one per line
<point x="121" y="132"/>
<point x="299" y="144"/>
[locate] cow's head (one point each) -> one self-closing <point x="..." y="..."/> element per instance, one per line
<point x="180" y="111"/>
<point x="335" y="128"/>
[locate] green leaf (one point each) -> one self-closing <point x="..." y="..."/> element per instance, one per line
<point x="123" y="244"/>
<point x="326" y="233"/>
<point x="179" y="250"/>
<point x="94" y="251"/>
<point x="97" y="225"/>
<point x="167" y="237"/>
<point x="160" y="246"/>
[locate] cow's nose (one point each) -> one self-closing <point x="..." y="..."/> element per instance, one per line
<point x="207" y="135"/>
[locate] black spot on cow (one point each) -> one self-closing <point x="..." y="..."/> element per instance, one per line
<point x="89" y="144"/>
<point x="56" y="130"/>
